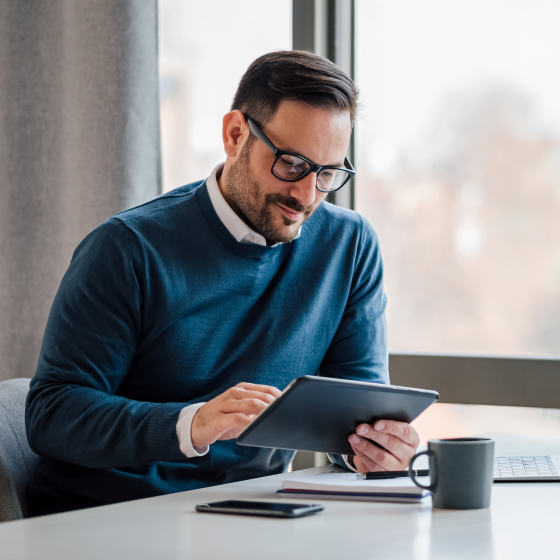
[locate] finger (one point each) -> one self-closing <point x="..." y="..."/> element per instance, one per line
<point x="270" y="392"/>
<point x="392" y="444"/>
<point x="365" y="464"/>
<point x="402" y="430"/>
<point x="261" y="388"/>
<point x="244" y="406"/>
<point x="242" y="394"/>
<point x="376" y="454"/>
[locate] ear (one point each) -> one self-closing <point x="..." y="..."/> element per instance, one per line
<point x="235" y="132"/>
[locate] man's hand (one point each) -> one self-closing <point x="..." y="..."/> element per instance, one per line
<point x="225" y="416"/>
<point x="399" y="440"/>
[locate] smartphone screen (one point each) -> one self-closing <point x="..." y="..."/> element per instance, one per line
<point x="267" y="509"/>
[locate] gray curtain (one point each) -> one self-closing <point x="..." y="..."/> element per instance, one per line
<point x="79" y="141"/>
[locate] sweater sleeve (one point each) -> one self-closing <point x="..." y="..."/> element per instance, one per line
<point x="358" y="350"/>
<point x="73" y="411"/>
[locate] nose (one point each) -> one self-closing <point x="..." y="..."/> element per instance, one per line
<point x="304" y="190"/>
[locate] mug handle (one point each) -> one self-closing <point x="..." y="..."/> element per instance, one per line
<point x="432" y="486"/>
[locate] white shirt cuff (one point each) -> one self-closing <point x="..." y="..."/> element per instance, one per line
<point x="184" y="425"/>
<point x="348" y="464"/>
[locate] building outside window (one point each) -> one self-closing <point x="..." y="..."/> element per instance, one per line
<point x="458" y="148"/>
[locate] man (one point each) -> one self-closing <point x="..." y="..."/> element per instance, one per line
<point x="180" y="320"/>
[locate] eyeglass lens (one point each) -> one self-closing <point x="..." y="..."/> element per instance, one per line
<point x="290" y="168"/>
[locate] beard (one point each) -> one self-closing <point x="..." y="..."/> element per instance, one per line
<point x="246" y="193"/>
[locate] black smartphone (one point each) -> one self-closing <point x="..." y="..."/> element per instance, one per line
<point x="266" y="509"/>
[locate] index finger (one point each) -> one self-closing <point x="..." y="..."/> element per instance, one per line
<point x="260" y="388"/>
<point x="401" y="430"/>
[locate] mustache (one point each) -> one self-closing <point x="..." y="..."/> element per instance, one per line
<point x="289" y="202"/>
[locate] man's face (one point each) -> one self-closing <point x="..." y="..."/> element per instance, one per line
<point x="274" y="208"/>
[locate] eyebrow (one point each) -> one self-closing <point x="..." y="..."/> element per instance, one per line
<point x="295" y="153"/>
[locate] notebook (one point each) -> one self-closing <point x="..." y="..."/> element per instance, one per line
<point x="345" y="486"/>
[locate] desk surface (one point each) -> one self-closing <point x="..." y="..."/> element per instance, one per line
<point x="521" y="523"/>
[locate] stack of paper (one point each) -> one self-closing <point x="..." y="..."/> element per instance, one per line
<point x="345" y="486"/>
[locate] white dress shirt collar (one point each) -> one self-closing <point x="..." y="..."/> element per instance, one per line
<point x="235" y="225"/>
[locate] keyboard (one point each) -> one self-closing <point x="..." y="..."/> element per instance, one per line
<point x="526" y="468"/>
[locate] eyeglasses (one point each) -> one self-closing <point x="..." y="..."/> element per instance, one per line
<point x="291" y="167"/>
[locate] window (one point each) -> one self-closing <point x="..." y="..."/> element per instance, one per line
<point x="205" y="47"/>
<point x="458" y="160"/>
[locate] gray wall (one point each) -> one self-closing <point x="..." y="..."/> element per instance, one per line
<point x="79" y="141"/>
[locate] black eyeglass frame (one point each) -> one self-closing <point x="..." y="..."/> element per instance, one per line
<point x="313" y="167"/>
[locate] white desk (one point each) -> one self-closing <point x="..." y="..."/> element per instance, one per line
<point x="523" y="521"/>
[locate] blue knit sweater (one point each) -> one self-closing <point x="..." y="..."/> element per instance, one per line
<point x="161" y="308"/>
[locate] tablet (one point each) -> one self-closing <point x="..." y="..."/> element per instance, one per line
<point x="319" y="413"/>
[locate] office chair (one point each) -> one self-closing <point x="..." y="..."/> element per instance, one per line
<point x="16" y="458"/>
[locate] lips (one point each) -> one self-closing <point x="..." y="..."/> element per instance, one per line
<point x="290" y="214"/>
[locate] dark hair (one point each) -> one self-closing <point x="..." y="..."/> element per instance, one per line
<point x="296" y="76"/>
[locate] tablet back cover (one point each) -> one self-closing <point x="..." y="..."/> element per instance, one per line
<point x="318" y="413"/>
